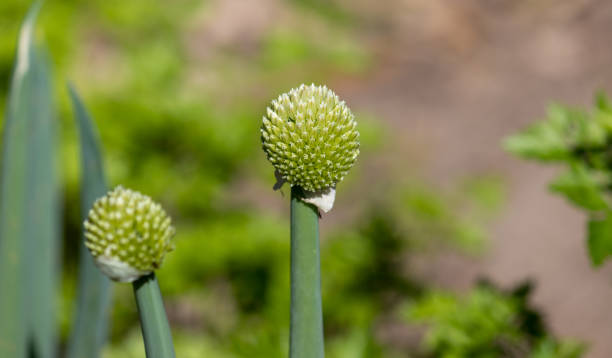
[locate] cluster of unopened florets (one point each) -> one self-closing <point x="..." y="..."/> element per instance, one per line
<point x="128" y="234"/>
<point x="311" y="137"/>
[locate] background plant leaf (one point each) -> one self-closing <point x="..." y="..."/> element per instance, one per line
<point x="600" y="239"/>
<point x="544" y="140"/>
<point x="581" y="187"/>
<point x="557" y="137"/>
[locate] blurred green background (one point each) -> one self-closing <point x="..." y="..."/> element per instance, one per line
<point x="178" y="90"/>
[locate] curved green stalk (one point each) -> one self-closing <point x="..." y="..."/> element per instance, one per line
<point x="306" y="336"/>
<point x="153" y="320"/>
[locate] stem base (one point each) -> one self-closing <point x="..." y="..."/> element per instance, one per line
<point x="306" y="336"/>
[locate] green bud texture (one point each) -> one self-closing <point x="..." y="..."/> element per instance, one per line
<point x="310" y="137"/>
<point x="128" y="234"/>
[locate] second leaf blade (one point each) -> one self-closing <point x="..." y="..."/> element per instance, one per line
<point x="94" y="290"/>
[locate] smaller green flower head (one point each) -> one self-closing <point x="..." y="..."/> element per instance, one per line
<point x="310" y="137"/>
<point x="128" y="234"/>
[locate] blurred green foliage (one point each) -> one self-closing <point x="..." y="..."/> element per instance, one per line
<point x="582" y="142"/>
<point x="178" y="112"/>
<point x="231" y="277"/>
<point x="485" y="323"/>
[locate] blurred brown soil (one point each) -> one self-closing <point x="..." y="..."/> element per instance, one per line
<point x="454" y="79"/>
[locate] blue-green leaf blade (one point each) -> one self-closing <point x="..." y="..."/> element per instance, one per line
<point x="29" y="207"/>
<point x="94" y="293"/>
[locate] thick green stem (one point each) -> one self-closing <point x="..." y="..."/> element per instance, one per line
<point x="306" y="336"/>
<point x="153" y="320"/>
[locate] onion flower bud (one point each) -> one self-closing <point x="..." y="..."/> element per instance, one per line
<point x="310" y="136"/>
<point x="128" y="234"/>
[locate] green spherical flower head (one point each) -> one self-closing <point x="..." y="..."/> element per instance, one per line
<point x="310" y="136"/>
<point x="128" y="234"/>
